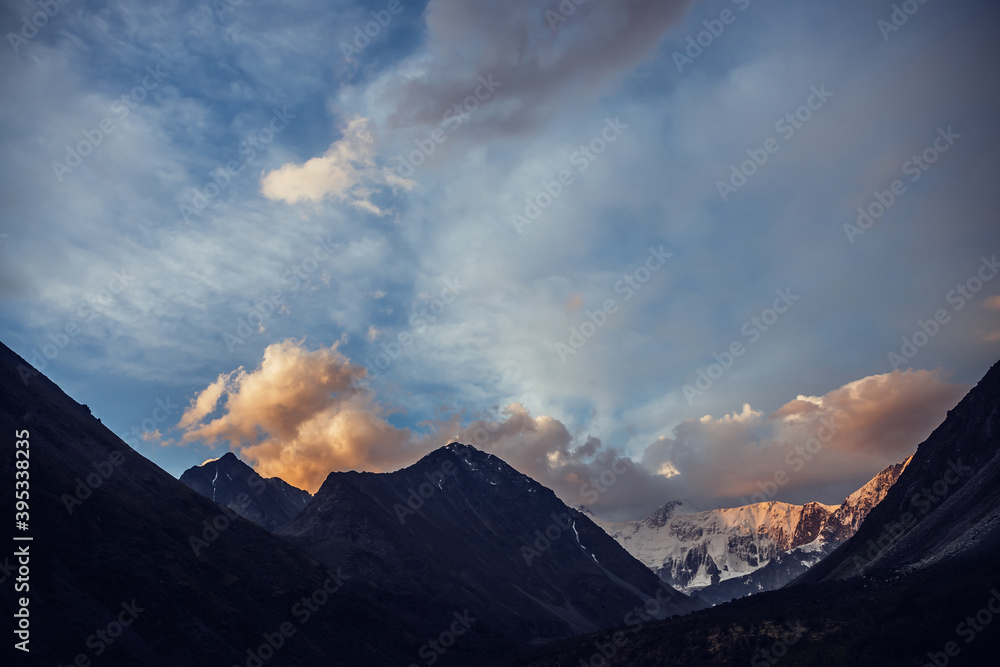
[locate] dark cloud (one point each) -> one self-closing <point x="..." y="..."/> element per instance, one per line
<point x="538" y="68"/>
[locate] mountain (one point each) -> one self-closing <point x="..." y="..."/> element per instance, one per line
<point x="269" y="502"/>
<point x="721" y="554"/>
<point x="446" y="562"/>
<point x="118" y="542"/>
<point x="917" y="584"/>
<point x="943" y="505"/>
<point x="856" y="507"/>
<point x="476" y="534"/>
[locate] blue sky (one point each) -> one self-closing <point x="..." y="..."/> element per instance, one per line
<point x="174" y="168"/>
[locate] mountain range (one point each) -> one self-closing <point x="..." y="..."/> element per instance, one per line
<point x="457" y="559"/>
<point x="721" y="554"/>
<point x="917" y="584"/>
<point x="268" y="502"/>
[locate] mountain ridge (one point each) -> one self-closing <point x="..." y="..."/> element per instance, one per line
<point x="269" y="502"/>
<point x="898" y="592"/>
<point x="516" y="546"/>
<point x="713" y="554"/>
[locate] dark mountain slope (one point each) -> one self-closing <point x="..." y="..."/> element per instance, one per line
<point x="269" y="503"/>
<point x="928" y="594"/>
<point x="944" y="503"/>
<point x="478" y="534"/>
<point x="113" y="532"/>
<point x="854" y="622"/>
<point x="129" y="538"/>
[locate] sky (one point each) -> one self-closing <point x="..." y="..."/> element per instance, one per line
<point x="722" y="251"/>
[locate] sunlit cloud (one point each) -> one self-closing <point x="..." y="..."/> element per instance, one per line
<point x="347" y="172"/>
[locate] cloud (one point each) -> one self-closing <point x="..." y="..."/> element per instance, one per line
<point x="300" y="415"/>
<point x="826" y="445"/>
<point x="993" y="302"/>
<point x="204" y="403"/>
<point x="580" y="469"/>
<point x="346" y="172"/>
<point x="539" y="62"/>
<point x="504" y="58"/>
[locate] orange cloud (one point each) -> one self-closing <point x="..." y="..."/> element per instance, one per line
<point x="302" y="414"/>
<point x="855" y="431"/>
<point x="299" y="416"/>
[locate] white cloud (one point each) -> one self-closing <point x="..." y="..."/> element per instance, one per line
<point x="346" y="172"/>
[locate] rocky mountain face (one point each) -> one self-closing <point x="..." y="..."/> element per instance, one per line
<point x="917" y="584"/>
<point x="476" y="534"/>
<point x="116" y="537"/>
<point x="720" y="554"/>
<point x="943" y="506"/>
<point x="268" y="502"/>
<point x="852" y="512"/>
<point x="456" y="560"/>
